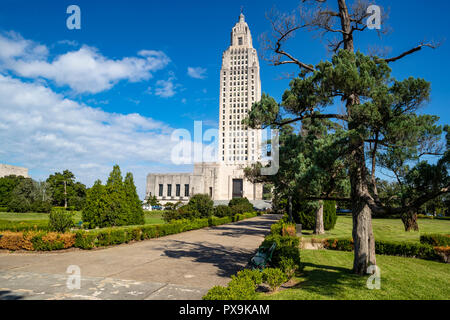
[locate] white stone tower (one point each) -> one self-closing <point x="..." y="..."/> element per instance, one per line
<point x="240" y="87"/>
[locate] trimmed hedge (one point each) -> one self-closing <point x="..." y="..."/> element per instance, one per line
<point x="404" y="249"/>
<point x="437" y="240"/>
<point x="89" y="239"/>
<point x="36" y="240"/>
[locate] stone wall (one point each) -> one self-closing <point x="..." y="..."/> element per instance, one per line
<point x="7" y="170"/>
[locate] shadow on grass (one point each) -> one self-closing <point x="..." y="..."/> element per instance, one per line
<point x="328" y="281"/>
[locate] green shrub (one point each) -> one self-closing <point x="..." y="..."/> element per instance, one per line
<point x="170" y="215"/>
<point x="329" y="214"/>
<point x="60" y="221"/>
<point x="40" y="244"/>
<point x="3" y="209"/>
<point x="214" y="221"/>
<point x="241" y="288"/>
<point x="288" y="265"/>
<point x="223" y="211"/>
<point x="217" y="293"/>
<point x="436" y="240"/>
<point x="255" y="276"/>
<point x="404" y="249"/>
<point x="240" y="205"/>
<point x="85" y="240"/>
<point x="202" y="204"/>
<point x="304" y="213"/>
<point x="274" y="277"/>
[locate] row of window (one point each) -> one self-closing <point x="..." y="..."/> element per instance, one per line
<point x="235" y="71"/>
<point x="177" y="190"/>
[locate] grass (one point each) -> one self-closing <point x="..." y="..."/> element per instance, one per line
<point x="12" y="220"/>
<point x="327" y="276"/>
<point x="385" y="229"/>
<point x="154" y="217"/>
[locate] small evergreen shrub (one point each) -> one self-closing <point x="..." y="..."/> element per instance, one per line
<point x="60" y="221"/>
<point x="223" y="211"/>
<point x="202" y="204"/>
<point x="274" y="277"/>
<point x="240" y="205"/>
<point x="304" y="213"/>
<point x="329" y="214"/>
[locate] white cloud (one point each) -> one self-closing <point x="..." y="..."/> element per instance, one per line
<point x="46" y="132"/>
<point x="83" y="70"/>
<point x="197" y="73"/>
<point x="166" y="88"/>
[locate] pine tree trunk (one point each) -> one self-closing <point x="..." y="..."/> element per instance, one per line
<point x="410" y="221"/>
<point x="319" y="228"/>
<point x="364" y="242"/>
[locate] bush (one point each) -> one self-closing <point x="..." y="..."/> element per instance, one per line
<point x="41" y="240"/>
<point x="217" y="293"/>
<point x="274" y="277"/>
<point x="202" y="204"/>
<point x="3" y="209"/>
<point x="223" y="211"/>
<point x="404" y="249"/>
<point x="329" y="214"/>
<point x="436" y="240"/>
<point x="240" y="205"/>
<point x="60" y="221"/>
<point x="288" y="265"/>
<point x="85" y="240"/>
<point x="305" y="213"/>
<point x="36" y="240"/>
<point x="214" y="221"/>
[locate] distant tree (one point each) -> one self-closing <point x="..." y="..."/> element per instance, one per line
<point x="153" y="201"/>
<point x="115" y="204"/>
<point x="95" y="209"/>
<point x="7" y="185"/>
<point x="132" y="201"/>
<point x="65" y="191"/>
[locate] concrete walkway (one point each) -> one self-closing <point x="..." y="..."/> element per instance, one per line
<point x="181" y="266"/>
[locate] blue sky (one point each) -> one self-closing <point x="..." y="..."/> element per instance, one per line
<point x="88" y="120"/>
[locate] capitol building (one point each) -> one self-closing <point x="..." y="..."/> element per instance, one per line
<point x="238" y="146"/>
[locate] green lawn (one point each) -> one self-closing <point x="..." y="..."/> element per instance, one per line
<point x="154" y="217"/>
<point x="327" y="276"/>
<point x="385" y="229"/>
<point x="11" y="219"/>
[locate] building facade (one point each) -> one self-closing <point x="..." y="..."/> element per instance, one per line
<point x="238" y="146"/>
<point x="8" y="170"/>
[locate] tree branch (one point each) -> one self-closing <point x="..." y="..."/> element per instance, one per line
<point x="411" y="51"/>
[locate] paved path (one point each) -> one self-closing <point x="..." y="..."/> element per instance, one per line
<point x="181" y="266"/>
